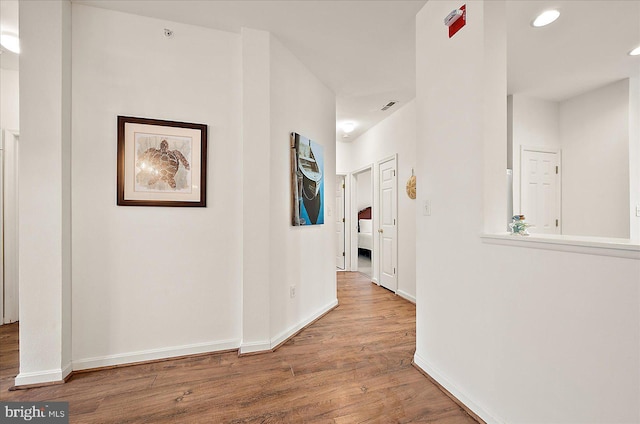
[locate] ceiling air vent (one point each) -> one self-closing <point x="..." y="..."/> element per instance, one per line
<point x="388" y="105"/>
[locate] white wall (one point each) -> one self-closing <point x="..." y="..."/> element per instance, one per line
<point x="535" y="123"/>
<point x="300" y="256"/>
<point x="9" y="100"/>
<point x="394" y="135"/>
<point x="593" y="130"/>
<point x="256" y="188"/>
<point x="518" y="334"/>
<point x="151" y="281"/>
<point x="44" y="192"/>
<point x="276" y="254"/>
<point x="634" y="158"/>
<point x="363" y="190"/>
<point x="595" y="160"/>
<point x="343" y="157"/>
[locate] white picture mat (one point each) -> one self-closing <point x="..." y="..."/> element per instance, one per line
<point x="130" y="129"/>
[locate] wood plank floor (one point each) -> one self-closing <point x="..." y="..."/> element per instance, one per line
<point x="351" y="366"/>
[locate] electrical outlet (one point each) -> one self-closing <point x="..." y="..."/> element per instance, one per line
<point x="292" y="291"/>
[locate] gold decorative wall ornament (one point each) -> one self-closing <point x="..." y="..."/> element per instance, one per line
<point x="411" y="186"/>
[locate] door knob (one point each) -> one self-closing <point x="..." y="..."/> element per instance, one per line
<point x="381" y="230"/>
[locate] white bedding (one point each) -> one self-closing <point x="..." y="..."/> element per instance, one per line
<point x="365" y="236"/>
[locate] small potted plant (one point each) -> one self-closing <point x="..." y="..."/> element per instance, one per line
<point x="518" y="226"/>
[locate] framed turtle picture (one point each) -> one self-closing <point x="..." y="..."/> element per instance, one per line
<point x="161" y="163"/>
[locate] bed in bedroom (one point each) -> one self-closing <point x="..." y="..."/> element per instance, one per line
<point x="365" y="232"/>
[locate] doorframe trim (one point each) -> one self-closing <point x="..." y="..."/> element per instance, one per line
<point x="10" y="310"/>
<point x="353" y="229"/>
<point x="347" y="234"/>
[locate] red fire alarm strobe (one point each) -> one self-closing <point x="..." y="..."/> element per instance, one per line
<point x="456" y="20"/>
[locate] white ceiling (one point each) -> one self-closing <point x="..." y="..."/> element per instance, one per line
<point x="364" y="50"/>
<point x="585" y="48"/>
<point x="8" y="23"/>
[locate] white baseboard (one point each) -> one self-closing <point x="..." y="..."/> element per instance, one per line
<point x="253" y="347"/>
<point x="66" y="370"/>
<point x="57" y="375"/>
<point x="455" y="391"/>
<point x="43" y="377"/>
<point x="404" y="294"/>
<point x="275" y="341"/>
<point x="266" y="346"/>
<point x="153" y="354"/>
<point x="39" y="377"/>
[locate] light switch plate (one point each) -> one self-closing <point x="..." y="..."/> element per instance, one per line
<point x="426" y="210"/>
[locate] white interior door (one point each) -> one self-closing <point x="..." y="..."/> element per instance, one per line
<point x="340" y="224"/>
<point x="388" y="237"/>
<point x="540" y="190"/>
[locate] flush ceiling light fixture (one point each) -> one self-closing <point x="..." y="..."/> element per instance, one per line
<point x="10" y="42"/>
<point x="635" y="52"/>
<point x="545" y="18"/>
<point x="348" y="127"/>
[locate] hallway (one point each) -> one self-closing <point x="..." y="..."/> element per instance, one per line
<point x="351" y="366"/>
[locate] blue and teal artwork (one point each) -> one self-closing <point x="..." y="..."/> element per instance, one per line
<point x="307" y="187"/>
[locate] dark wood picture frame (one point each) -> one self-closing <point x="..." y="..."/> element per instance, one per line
<point x="161" y="163"/>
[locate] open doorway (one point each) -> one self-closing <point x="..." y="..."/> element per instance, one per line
<point x="8" y="227"/>
<point x="362" y="215"/>
<point x="9" y="135"/>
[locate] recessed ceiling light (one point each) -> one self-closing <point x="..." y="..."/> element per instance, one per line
<point x="10" y="42"/>
<point x="545" y="18"/>
<point x="348" y="127"/>
<point x="635" y="52"/>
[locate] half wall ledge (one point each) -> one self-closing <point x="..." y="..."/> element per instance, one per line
<point x="600" y="246"/>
